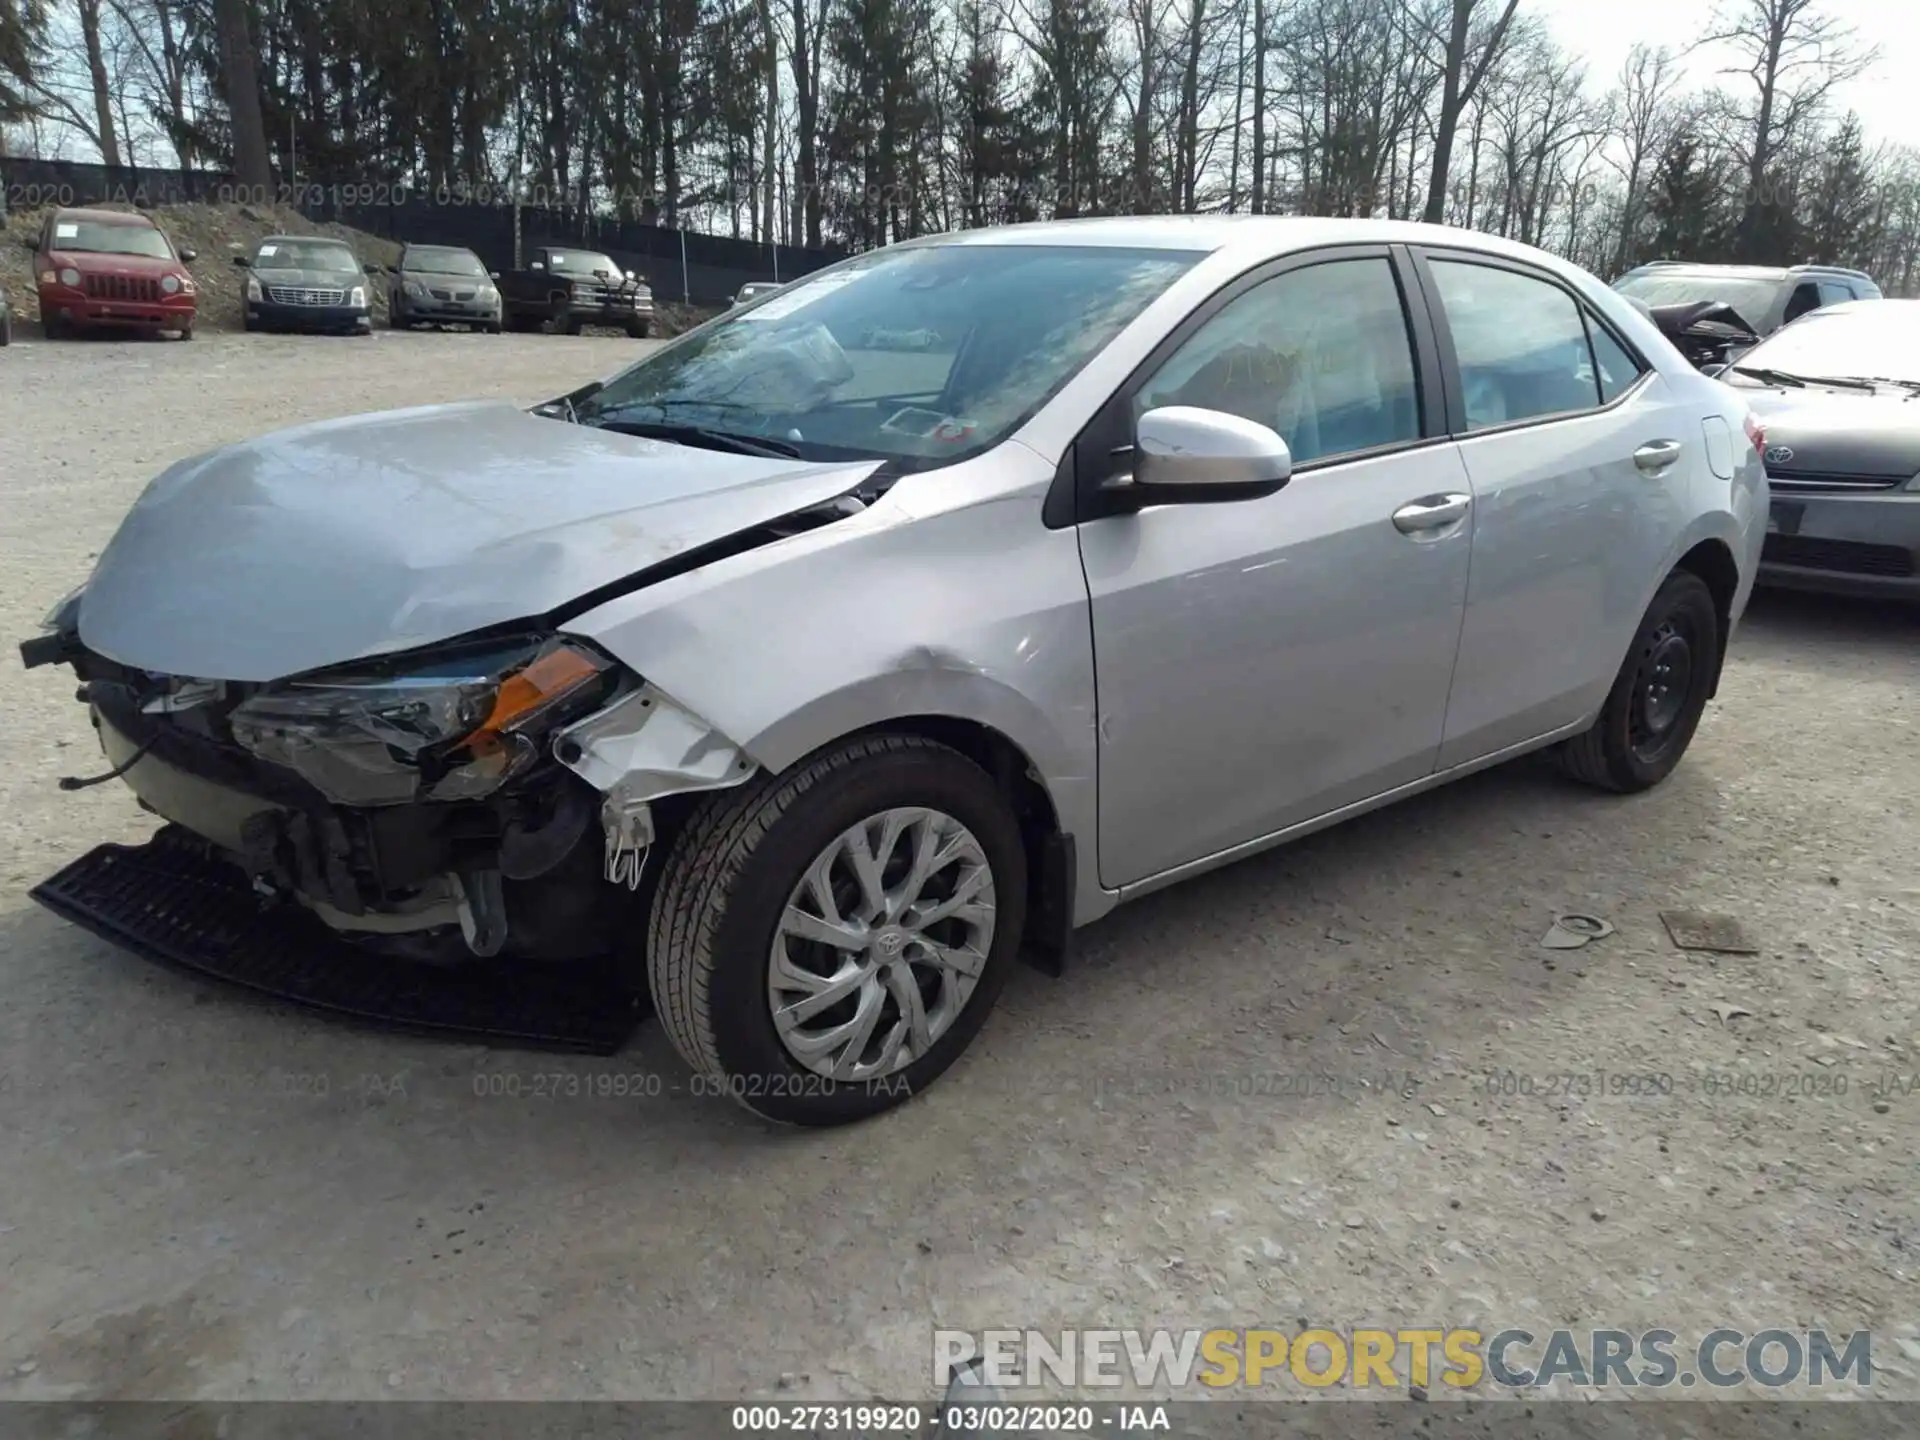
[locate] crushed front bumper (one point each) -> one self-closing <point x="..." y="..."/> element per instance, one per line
<point x="413" y="879"/>
<point x="174" y="900"/>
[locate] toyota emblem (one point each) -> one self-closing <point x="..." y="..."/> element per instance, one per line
<point x="1779" y="454"/>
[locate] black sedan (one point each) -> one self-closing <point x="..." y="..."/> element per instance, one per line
<point x="1839" y="394"/>
<point x="306" y="282"/>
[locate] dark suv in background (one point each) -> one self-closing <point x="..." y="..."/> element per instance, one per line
<point x="1764" y="296"/>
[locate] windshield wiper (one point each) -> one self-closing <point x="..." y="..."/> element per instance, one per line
<point x="701" y="435"/>
<point x="1800" y="382"/>
<point x="1866" y="380"/>
<point x="1770" y="377"/>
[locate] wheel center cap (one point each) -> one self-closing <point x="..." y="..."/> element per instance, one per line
<point x="888" y="943"/>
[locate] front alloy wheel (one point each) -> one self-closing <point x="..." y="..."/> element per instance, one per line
<point x="825" y="942"/>
<point x="881" y="944"/>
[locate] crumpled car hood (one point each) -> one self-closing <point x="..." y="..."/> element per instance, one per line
<point x="377" y="533"/>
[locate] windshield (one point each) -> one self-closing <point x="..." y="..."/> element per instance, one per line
<point x="1880" y="340"/>
<point x="924" y="355"/>
<point x="98" y="237"/>
<point x="305" y="255"/>
<point x="1750" y="298"/>
<point x="432" y="261"/>
<point x="582" y="262"/>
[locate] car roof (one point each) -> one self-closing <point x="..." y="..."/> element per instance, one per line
<point x="1752" y="272"/>
<point x="284" y="239"/>
<point x="108" y="217"/>
<point x="1254" y="234"/>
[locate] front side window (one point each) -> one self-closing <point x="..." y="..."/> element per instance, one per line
<point x="922" y="355"/>
<point x="1319" y="355"/>
<point x="1521" y="344"/>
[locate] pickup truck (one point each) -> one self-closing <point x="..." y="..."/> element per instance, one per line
<point x="564" y="289"/>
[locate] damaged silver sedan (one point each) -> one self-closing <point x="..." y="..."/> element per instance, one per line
<point x="815" y="680"/>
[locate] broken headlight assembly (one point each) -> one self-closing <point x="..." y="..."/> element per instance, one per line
<point x="453" y="723"/>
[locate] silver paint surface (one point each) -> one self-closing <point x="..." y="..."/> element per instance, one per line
<point x="1264" y="667"/>
<point x="349" y="538"/>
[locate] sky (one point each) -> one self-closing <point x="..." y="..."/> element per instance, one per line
<point x="1604" y="30"/>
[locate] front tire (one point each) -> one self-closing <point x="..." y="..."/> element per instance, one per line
<point x="1659" y="695"/>
<point x="827" y="941"/>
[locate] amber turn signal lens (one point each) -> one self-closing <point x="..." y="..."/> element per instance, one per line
<point x="558" y="672"/>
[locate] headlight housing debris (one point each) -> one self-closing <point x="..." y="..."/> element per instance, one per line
<point x="455" y="723"/>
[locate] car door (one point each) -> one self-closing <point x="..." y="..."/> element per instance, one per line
<point x="1263" y="662"/>
<point x="1579" y="453"/>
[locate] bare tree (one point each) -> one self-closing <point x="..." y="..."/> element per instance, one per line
<point x="1466" y="59"/>
<point x="1643" y="117"/>
<point x="1793" y="54"/>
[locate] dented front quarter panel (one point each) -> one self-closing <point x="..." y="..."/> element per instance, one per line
<point x="946" y="598"/>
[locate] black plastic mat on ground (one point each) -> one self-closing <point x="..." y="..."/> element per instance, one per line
<point x="169" y="902"/>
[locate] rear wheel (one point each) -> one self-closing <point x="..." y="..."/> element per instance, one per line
<point x="1659" y="695"/>
<point x="827" y="941"/>
<point x="6" y="326"/>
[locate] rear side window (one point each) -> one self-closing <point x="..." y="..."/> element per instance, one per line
<point x="1616" y="368"/>
<point x="1832" y="292"/>
<point x="1521" y="344"/>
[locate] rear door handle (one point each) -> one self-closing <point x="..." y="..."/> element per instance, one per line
<point x="1430" y="513"/>
<point x="1656" y="455"/>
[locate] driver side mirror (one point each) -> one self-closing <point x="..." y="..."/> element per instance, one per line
<point x="242" y="261"/>
<point x="1186" y="455"/>
<point x="188" y="254"/>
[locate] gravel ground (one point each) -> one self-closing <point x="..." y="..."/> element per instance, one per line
<point x="204" y="1196"/>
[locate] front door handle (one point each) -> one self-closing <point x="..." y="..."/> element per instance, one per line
<point x="1430" y="513"/>
<point x="1656" y="456"/>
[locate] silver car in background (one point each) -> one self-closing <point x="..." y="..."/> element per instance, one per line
<point x="823" y="682"/>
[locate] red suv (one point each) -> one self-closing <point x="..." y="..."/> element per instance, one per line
<point x="109" y="267"/>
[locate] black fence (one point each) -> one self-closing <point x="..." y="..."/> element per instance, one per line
<point x="680" y="265"/>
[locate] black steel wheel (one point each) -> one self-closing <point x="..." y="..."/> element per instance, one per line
<point x="1658" y="696"/>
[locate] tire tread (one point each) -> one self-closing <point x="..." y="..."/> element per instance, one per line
<point x="697" y="886"/>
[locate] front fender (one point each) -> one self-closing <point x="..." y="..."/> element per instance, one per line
<point x="976" y="613"/>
